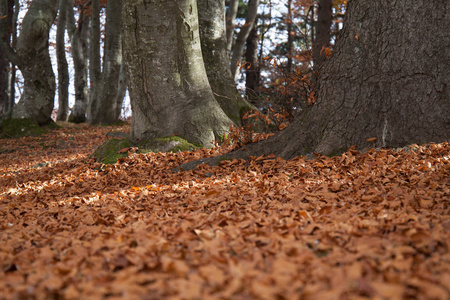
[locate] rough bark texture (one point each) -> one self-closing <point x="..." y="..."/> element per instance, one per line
<point x="79" y="41"/>
<point x="389" y="79"/>
<point x="94" y="54"/>
<point x="216" y="58"/>
<point x="238" y="48"/>
<point x="322" y="30"/>
<point x="63" y="67"/>
<point x="32" y="57"/>
<point x="103" y="103"/>
<point x="167" y="81"/>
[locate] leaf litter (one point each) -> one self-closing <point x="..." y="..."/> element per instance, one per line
<point x="371" y="225"/>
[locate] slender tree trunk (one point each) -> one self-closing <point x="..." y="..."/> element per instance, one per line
<point x="13" y="67"/>
<point x="63" y="67"/>
<point x="79" y="40"/>
<point x="121" y="91"/>
<point x="103" y="104"/>
<point x="323" y="33"/>
<point x="167" y="81"/>
<point x="94" y="54"/>
<point x="7" y="12"/>
<point x="386" y="85"/>
<point x="252" y="72"/>
<point x="230" y="23"/>
<point x="290" y="41"/>
<point x="216" y="59"/>
<point x="32" y="57"/>
<point x="238" y="48"/>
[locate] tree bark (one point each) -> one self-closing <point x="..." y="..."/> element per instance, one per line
<point x="103" y="103"/>
<point x="167" y="81"/>
<point x="252" y="71"/>
<point x="94" y="50"/>
<point x="79" y="41"/>
<point x="63" y="67"/>
<point x="33" y="59"/>
<point x="323" y="33"/>
<point x="230" y="23"/>
<point x="386" y="85"/>
<point x="238" y="48"/>
<point x="121" y="91"/>
<point x="216" y="59"/>
<point x="290" y="40"/>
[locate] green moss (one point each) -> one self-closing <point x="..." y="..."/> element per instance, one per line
<point x="166" y="144"/>
<point x="108" y="152"/>
<point x="14" y="128"/>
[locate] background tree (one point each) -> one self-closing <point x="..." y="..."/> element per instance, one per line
<point x="103" y="102"/>
<point x="32" y="58"/>
<point x="238" y="48"/>
<point x="63" y="68"/>
<point x="79" y="39"/>
<point x="6" y="22"/>
<point x="322" y="36"/>
<point x="169" y="89"/>
<point x="216" y="59"/>
<point x="386" y="84"/>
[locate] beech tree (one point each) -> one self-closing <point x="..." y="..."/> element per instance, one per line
<point x="386" y="85"/>
<point x="32" y="58"/>
<point x="169" y="89"/>
<point x="216" y="58"/>
<point x="63" y="68"/>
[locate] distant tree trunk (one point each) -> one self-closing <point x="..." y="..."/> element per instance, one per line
<point x="32" y="57"/>
<point x="216" y="59"/>
<point x="12" y="72"/>
<point x="103" y="103"/>
<point x="94" y="50"/>
<point x="63" y="67"/>
<point x="323" y="32"/>
<point x="167" y="81"/>
<point x="252" y="72"/>
<point x="6" y="23"/>
<point x="238" y="48"/>
<point x="386" y="85"/>
<point x="230" y="23"/>
<point x="79" y="40"/>
<point x="121" y="91"/>
<point x="290" y="40"/>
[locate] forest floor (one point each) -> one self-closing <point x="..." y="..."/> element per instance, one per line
<point x="372" y="225"/>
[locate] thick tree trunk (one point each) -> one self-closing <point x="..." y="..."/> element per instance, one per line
<point x="216" y="59"/>
<point x="103" y="103"/>
<point x="252" y="70"/>
<point x="63" y="68"/>
<point x="323" y="33"/>
<point x="167" y="81"/>
<point x="386" y="85"/>
<point x="79" y="40"/>
<point x="32" y="57"/>
<point x="238" y="48"/>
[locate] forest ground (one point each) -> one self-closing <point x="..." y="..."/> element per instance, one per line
<point x="372" y="225"/>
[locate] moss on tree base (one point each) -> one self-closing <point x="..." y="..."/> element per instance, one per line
<point x="113" y="149"/>
<point x="15" y="128"/>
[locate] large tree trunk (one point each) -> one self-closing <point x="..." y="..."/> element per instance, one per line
<point x="94" y="49"/>
<point x="103" y="103"/>
<point x="63" y="68"/>
<point x="121" y="91"/>
<point x="238" y="48"/>
<point x="34" y="62"/>
<point x="387" y="84"/>
<point x="79" y="41"/>
<point x="167" y="81"/>
<point x="216" y="59"/>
